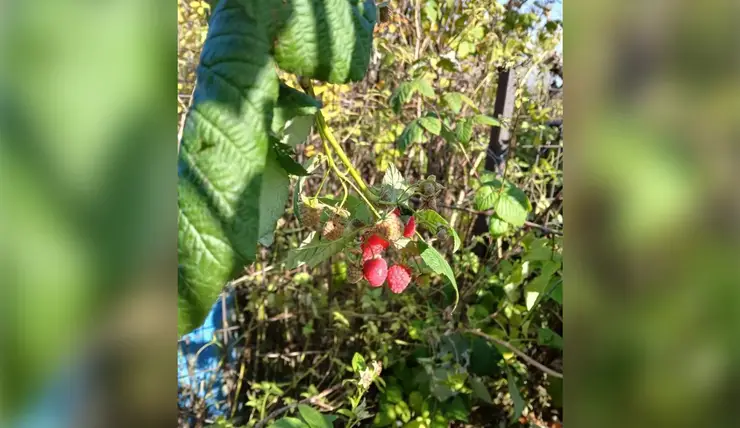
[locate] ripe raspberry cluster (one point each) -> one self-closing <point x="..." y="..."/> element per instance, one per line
<point x="374" y="266"/>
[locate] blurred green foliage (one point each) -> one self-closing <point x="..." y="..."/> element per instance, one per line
<point x="653" y="209"/>
<point x="86" y="183"/>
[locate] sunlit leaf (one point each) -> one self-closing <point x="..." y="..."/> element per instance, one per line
<point x="312" y="417"/>
<point x="437" y="263"/>
<point x="431" y="124"/>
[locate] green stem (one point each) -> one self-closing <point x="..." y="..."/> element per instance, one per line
<point x="327" y="136"/>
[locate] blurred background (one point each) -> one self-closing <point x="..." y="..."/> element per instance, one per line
<point x="87" y="213"/>
<point x="653" y="213"/>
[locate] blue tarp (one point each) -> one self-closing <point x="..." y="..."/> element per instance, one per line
<point x="199" y="359"/>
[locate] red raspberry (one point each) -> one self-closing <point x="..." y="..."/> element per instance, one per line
<point x="373" y="246"/>
<point x="375" y="271"/>
<point x="397" y="212"/>
<point x="399" y="277"/>
<point x="410" y="228"/>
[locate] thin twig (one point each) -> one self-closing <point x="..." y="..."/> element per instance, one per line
<point x="519" y="353"/>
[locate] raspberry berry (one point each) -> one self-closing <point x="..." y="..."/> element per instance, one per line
<point x="373" y="247"/>
<point x="354" y="274"/>
<point x="333" y="229"/>
<point x="310" y="215"/>
<point x="410" y="228"/>
<point x="390" y="228"/>
<point x="375" y="271"/>
<point x="399" y="277"/>
<point x="396" y="212"/>
<point x="428" y="189"/>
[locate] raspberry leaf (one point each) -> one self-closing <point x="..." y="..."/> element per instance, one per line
<point x="314" y="250"/>
<point x="413" y="133"/>
<point x="437" y="263"/>
<point x="509" y="202"/>
<point x="394" y="188"/>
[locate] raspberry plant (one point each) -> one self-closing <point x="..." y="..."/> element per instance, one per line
<point x="236" y="152"/>
<point x="235" y="155"/>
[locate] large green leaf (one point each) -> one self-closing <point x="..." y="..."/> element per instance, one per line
<point x="437" y="263"/>
<point x="498" y="227"/>
<point x="313" y="417"/>
<point x="547" y="337"/>
<point x="401" y="96"/>
<point x="297" y="130"/>
<point x="535" y="289"/>
<point x="457" y="410"/>
<point x="292" y="103"/>
<point x="230" y="190"/>
<point x="424" y="88"/>
<point x="455" y="100"/>
<point x="328" y="40"/>
<point x="358" y="363"/>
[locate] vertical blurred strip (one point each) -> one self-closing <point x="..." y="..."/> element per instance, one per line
<point x="653" y="242"/>
<point x="88" y="126"/>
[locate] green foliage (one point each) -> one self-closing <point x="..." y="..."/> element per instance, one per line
<point x="407" y="90"/>
<point x="315" y="328"/>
